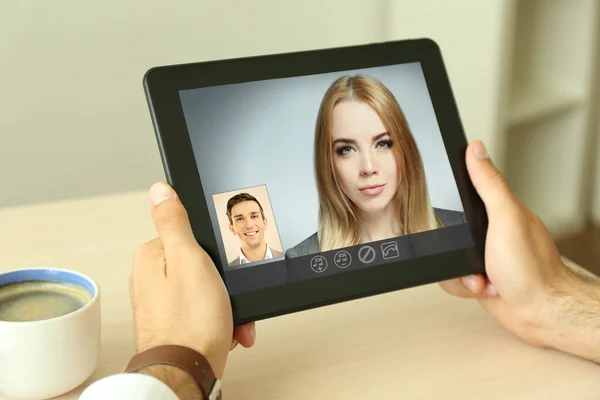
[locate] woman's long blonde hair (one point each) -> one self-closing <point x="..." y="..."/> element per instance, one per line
<point x="339" y="225"/>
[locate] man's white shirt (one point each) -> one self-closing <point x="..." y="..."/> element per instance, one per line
<point x="244" y="260"/>
<point x="128" y="386"/>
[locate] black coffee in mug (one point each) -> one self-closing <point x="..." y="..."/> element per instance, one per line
<point x="37" y="300"/>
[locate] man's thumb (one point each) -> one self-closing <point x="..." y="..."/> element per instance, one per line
<point x="487" y="179"/>
<point x="170" y="217"/>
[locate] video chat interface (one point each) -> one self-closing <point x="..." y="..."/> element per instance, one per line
<point x="261" y="134"/>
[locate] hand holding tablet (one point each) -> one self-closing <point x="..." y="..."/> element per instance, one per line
<point x="322" y="176"/>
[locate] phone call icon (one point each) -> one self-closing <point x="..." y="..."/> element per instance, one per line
<point x="390" y="250"/>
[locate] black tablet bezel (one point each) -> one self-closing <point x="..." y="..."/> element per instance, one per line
<point x="162" y="86"/>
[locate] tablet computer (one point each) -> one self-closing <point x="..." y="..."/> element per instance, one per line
<point x="321" y="176"/>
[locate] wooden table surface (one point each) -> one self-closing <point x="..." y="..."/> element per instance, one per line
<point x="413" y="344"/>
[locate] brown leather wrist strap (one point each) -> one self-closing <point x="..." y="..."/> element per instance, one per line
<point x="190" y="361"/>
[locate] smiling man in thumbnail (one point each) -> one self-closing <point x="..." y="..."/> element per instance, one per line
<point x="247" y="221"/>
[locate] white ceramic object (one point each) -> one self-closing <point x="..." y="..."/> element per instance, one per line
<point x="47" y="358"/>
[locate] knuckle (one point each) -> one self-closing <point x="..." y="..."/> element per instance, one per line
<point x="169" y="213"/>
<point x="148" y="250"/>
<point x="144" y="248"/>
<point x="497" y="178"/>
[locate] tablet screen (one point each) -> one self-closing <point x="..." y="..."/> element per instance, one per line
<point x="323" y="174"/>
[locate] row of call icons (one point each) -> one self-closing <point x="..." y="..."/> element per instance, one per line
<point x="366" y="255"/>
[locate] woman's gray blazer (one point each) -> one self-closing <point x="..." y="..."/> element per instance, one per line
<point x="310" y="245"/>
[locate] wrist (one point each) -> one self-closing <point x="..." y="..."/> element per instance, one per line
<point x="217" y="361"/>
<point x="178" y="380"/>
<point x="570" y="321"/>
<point x="186" y="371"/>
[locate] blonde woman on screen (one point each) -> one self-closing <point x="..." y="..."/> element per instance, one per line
<point x="369" y="172"/>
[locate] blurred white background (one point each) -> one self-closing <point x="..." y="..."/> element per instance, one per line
<point x="74" y="121"/>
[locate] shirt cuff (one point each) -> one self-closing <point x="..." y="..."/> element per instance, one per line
<point x="128" y="386"/>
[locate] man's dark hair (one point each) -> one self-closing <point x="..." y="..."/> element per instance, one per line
<point x="240" y="198"/>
